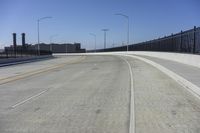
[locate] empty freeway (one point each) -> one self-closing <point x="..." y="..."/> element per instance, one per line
<point x="94" y="94"/>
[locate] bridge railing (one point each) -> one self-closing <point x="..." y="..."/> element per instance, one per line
<point x="184" y="42"/>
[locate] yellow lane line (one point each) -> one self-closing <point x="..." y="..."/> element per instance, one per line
<point x="35" y="72"/>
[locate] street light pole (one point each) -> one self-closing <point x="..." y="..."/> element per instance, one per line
<point x="95" y="39"/>
<point x="105" y="30"/>
<point x="127" y="17"/>
<point x="38" y="29"/>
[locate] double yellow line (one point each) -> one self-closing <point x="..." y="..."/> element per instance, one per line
<point x="35" y="72"/>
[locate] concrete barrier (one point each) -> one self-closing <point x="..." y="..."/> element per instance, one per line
<point x="191" y="87"/>
<point x="189" y="59"/>
<point x="12" y="61"/>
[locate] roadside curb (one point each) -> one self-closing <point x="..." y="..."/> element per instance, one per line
<point x="192" y="88"/>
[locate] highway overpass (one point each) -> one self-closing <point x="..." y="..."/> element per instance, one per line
<point x="121" y="92"/>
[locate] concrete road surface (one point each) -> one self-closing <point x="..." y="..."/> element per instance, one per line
<point x="91" y="94"/>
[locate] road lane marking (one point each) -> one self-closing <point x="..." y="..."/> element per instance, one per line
<point x="132" y="101"/>
<point x="35" y="72"/>
<point x="55" y="66"/>
<point x="28" y="99"/>
<point x="192" y="88"/>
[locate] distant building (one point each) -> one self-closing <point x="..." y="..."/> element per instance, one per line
<point x="44" y="48"/>
<point x="54" y="48"/>
<point x="61" y="48"/>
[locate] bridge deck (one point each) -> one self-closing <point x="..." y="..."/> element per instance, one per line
<point x="92" y="94"/>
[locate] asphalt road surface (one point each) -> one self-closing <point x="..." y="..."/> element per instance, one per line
<point x="94" y="94"/>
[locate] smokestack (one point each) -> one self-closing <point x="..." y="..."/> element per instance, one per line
<point x="15" y="42"/>
<point x="23" y="40"/>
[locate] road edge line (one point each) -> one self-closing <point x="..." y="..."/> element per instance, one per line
<point x="132" y="100"/>
<point x="192" y="88"/>
<point x="39" y="71"/>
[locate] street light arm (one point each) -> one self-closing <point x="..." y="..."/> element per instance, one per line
<point x="44" y="18"/>
<point x="105" y="29"/>
<point x="120" y="14"/>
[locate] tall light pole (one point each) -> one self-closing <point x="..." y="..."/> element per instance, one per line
<point x="38" y="29"/>
<point x="95" y="39"/>
<point x="127" y="17"/>
<point x="105" y="30"/>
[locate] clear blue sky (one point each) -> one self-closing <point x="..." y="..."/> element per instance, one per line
<point x="73" y="20"/>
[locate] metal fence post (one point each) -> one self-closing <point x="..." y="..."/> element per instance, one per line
<point x="194" y="46"/>
<point x="172" y="42"/>
<point x="15" y="44"/>
<point x="181" y="47"/>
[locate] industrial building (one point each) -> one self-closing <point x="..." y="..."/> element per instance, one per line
<point x="42" y="48"/>
<point x="61" y="48"/>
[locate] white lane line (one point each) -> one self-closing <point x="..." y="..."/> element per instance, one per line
<point x="132" y="101"/>
<point x="192" y="88"/>
<point x="30" y="98"/>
